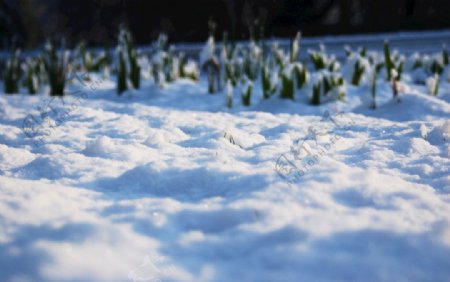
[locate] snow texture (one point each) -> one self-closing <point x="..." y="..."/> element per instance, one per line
<point x="171" y="185"/>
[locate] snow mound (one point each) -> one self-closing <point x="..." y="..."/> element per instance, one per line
<point x="413" y="106"/>
<point x="440" y="134"/>
<point x="184" y="184"/>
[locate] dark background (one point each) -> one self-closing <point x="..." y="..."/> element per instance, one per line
<point x="29" y="22"/>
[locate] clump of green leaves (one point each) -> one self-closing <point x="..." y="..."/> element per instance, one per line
<point x="433" y="84"/>
<point x="128" y="67"/>
<point x="278" y="56"/>
<point x="246" y="94"/>
<point x="135" y="69"/>
<point x="269" y="81"/>
<point x="436" y="67"/>
<point x="56" y="65"/>
<point x="89" y="61"/>
<point x="417" y="61"/>
<point x="122" y="84"/>
<point x="358" y="72"/>
<point x="321" y="60"/>
<point x="388" y="60"/>
<point x="317" y="86"/>
<point x="12" y="73"/>
<point x="31" y="78"/>
<point x="289" y="68"/>
<point x="395" y="76"/>
<point x="362" y="51"/>
<point x="160" y="60"/>
<point x="252" y="60"/>
<point x="167" y="65"/>
<point x="394" y="69"/>
<point x="228" y="60"/>
<point x="318" y="59"/>
<point x="328" y="86"/>
<point x="210" y="65"/>
<point x="287" y="83"/>
<point x="295" y="48"/>
<point x="392" y="63"/>
<point x="171" y="66"/>
<point x="445" y="56"/>
<point x="333" y="83"/>
<point x="338" y="86"/>
<point x="229" y="94"/>
<point x="373" y="87"/>
<point x="301" y="75"/>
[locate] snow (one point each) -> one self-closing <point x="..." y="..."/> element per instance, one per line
<point x="171" y="185"/>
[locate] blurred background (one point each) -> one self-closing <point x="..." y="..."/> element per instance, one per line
<point x="27" y="23"/>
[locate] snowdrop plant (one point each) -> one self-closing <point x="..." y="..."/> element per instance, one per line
<point x="287" y="82"/>
<point x="316" y="89"/>
<point x="388" y="60"/>
<point x="269" y="81"/>
<point x="56" y="65"/>
<point x="348" y="51"/>
<point x="89" y="61"/>
<point x="392" y="62"/>
<point x="279" y="56"/>
<point x="228" y="55"/>
<point x="166" y="66"/>
<point x="159" y="59"/>
<point x="333" y="86"/>
<point x="129" y="71"/>
<point x="134" y="68"/>
<point x="318" y="58"/>
<point x="190" y="70"/>
<point x="187" y="68"/>
<point x="233" y="64"/>
<point x="333" y="65"/>
<point x="445" y="56"/>
<point x="157" y="68"/>
<point x="322" y="61"/>
<point x="229" y="93"/>
<point x="301" y="75"/>
<point x="358" y="67"/>
<point x="414" y="62"/>
<point x="395" y="76"/>
<point x="436" y="65"/>
<point x="230" y="72"/>
<point x="31" y="77"/>
<point x="210" y="65"/>
<point x="433" y="84"/>
<point x="376" y="70"/>
<point x="394" y="69"/>
<point x="327" y="86"/>
<point x="122" y="84"/>
<point x="247" y="87"/>
<point x="182" y="61"/>
<point x="362" y="51"/>
<point x="295" y="48"/>
<point x="431" y="65"/>
<point x="252" y="60"/>
<point x="358" y="72"/>
<point x="12" y="74"/>
<point x="340" y="88"/>
<point x="171" y="66"/>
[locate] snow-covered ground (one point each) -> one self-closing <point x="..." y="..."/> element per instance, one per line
<point x="170" y="185"/>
